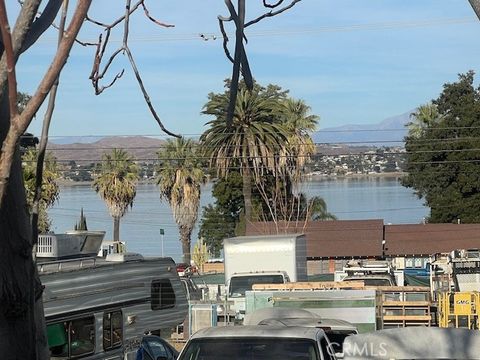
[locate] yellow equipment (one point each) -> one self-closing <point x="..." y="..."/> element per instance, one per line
<point x="459" y="310"/>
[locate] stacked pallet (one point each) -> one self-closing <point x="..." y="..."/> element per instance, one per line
<point x="403" y="306"/>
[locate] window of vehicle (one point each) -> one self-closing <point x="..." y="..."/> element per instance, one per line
<point x="163" y="296"/>
<point x="337" y="338"/>
<point x="112" y="330"/>
<point x="72" y="339"/>
<point x="155" y="347"/>
<point x="250" y="348"/>
<point x="328" y="353"/>
<point x="240" y="284"/>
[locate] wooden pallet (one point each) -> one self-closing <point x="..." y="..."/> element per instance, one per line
<point x="319" y="285"/>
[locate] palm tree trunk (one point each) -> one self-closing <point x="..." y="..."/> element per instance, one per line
<point x="185" y="234"/>
<point x="247" y="193"/>
<point x="116" y="229"/>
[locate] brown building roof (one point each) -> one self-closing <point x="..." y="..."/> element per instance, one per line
<point x="430" y="238"/>
<point x="363" y="238"/>
<point x="325" y="239"/>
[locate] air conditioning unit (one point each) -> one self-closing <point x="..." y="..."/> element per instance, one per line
<point x="202" y="316"/>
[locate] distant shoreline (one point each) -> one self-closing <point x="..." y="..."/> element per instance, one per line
<point x="67" y="183"/>
<point x="398" y="174"/>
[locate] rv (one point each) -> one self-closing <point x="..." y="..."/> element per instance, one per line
<point x="99" y="308"/>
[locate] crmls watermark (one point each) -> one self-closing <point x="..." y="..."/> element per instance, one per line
<point x="366" y="349"/>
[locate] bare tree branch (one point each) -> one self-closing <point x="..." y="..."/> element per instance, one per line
<point x="221" y="20"/>
<point x="20" y="31"/>
<point x="10" y="56"/>
<point x="21" y="122"/>
<point x="41" y="24"/>
<point x="267" y="5"/>
<point x="476" y="7"/>
<point x="240" y="59"/>
<point x="44" y="137"/>
<point x="272" y="13"/>
<point x="97" y="74"/>
<point x="147" y="14"/>
<point x="239" y="22"/>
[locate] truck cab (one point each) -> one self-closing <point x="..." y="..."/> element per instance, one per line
<point x="239" y="283"/>
<point x="265" y="259"/>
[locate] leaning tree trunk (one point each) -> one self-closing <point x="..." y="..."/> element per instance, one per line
<point x="247" y="193"/>
<point x="19" y="288"/>
<point x="185" y="235"/>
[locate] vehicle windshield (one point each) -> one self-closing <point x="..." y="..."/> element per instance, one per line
<point x="240" y="284"/>
<point x="251" y="349"/>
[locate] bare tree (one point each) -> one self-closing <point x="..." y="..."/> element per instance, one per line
<point x="20" y="288"/>
<point x="239" y="59"/>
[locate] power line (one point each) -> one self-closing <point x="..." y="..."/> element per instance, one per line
<point x="156" y="135"/>
<point x="379" y="26"/>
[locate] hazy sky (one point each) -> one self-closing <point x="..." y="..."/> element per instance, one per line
<point x="352" y="61"/>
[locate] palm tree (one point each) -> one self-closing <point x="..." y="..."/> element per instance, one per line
<point x="116" y="182"/>
<point x="299" y="125"/>
<point x="423" y="117"/>
<point x="50" y="189"/>
<point x="256" y="141"/>
<point x="317" y="210"/>
<point x="179" y="178"/>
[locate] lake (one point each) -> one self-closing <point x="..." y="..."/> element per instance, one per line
<point x="348" y="198"/>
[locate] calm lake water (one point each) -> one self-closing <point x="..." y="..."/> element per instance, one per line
<point x="348" y="199"/>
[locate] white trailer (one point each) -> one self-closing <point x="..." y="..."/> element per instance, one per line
<point x="100" y="308"/>
<point x="259" y="260"/>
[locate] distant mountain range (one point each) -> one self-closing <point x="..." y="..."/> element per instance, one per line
<point x="389" y="132"/>
<point x="141" y="147"/>
<point x="86" y="149"/>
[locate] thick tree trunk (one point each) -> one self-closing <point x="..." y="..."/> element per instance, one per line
<point x="185" y="235"/>
<point x="247" y="193"/>
<point x="116" y="228"/>
<point x="17" y="273"/>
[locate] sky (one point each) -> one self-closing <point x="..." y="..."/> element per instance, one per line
<point x="352" y="61"/>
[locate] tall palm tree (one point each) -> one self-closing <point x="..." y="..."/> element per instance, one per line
<point x="256" y="141"/>
<point x="116" y="182"/>
<point x="179" y="178"/>
<point x="299" y="124"/>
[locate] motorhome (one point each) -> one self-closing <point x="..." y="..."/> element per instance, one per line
<point x="97" y="308"/>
